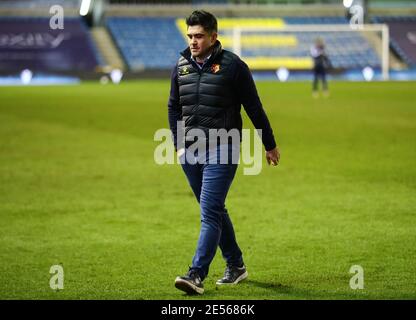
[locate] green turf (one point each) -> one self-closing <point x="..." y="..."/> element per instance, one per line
<point x="79" y="187"/>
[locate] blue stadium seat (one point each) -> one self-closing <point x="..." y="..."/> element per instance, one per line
<point x="151" y="43"/>
<point x="315" y="20"/>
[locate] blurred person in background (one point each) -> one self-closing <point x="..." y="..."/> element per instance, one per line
<point x="321" y="64"/>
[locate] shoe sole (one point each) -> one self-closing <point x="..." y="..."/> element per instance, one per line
<point x="188" y="287"/>
<point x="240" y="278"/>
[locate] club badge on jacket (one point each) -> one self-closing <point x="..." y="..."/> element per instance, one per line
<point x="183" y="71"/>
<point x="215" y="68"/>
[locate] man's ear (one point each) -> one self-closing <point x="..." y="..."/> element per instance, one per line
<point x="214" y="37"/>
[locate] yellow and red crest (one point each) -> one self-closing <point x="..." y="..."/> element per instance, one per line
<point x="215" y="68"/>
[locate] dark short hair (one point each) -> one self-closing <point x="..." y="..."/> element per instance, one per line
<point x="204" y="19"/>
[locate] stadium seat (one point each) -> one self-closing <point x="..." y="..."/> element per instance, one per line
<point x="151" y="43"/>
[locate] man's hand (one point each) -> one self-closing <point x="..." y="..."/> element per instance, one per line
<point x="273" y="157"/>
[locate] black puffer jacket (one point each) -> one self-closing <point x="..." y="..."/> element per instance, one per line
<point x="206" y="96"/>
<point x="211" y="98"/>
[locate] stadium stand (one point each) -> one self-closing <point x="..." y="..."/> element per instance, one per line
<point x="154" y="43"/>
<point x="347" y="50"/>
<point x="136" y="36"/>
<point x="37" y="3"/>
<point x="29" y="42"/>
<point x="402" y="36"/>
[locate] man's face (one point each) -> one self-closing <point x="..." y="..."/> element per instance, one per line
<point x="200" y="41"/>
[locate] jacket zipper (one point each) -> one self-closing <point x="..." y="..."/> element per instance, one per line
<point x="197" y="88"/>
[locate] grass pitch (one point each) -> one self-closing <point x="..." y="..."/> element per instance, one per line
<point x="79" y="188"/>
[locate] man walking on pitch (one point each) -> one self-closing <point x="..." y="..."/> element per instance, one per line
<point x="208" y="87"/>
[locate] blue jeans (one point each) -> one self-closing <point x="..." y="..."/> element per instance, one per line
<point x="210" y="182"/>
